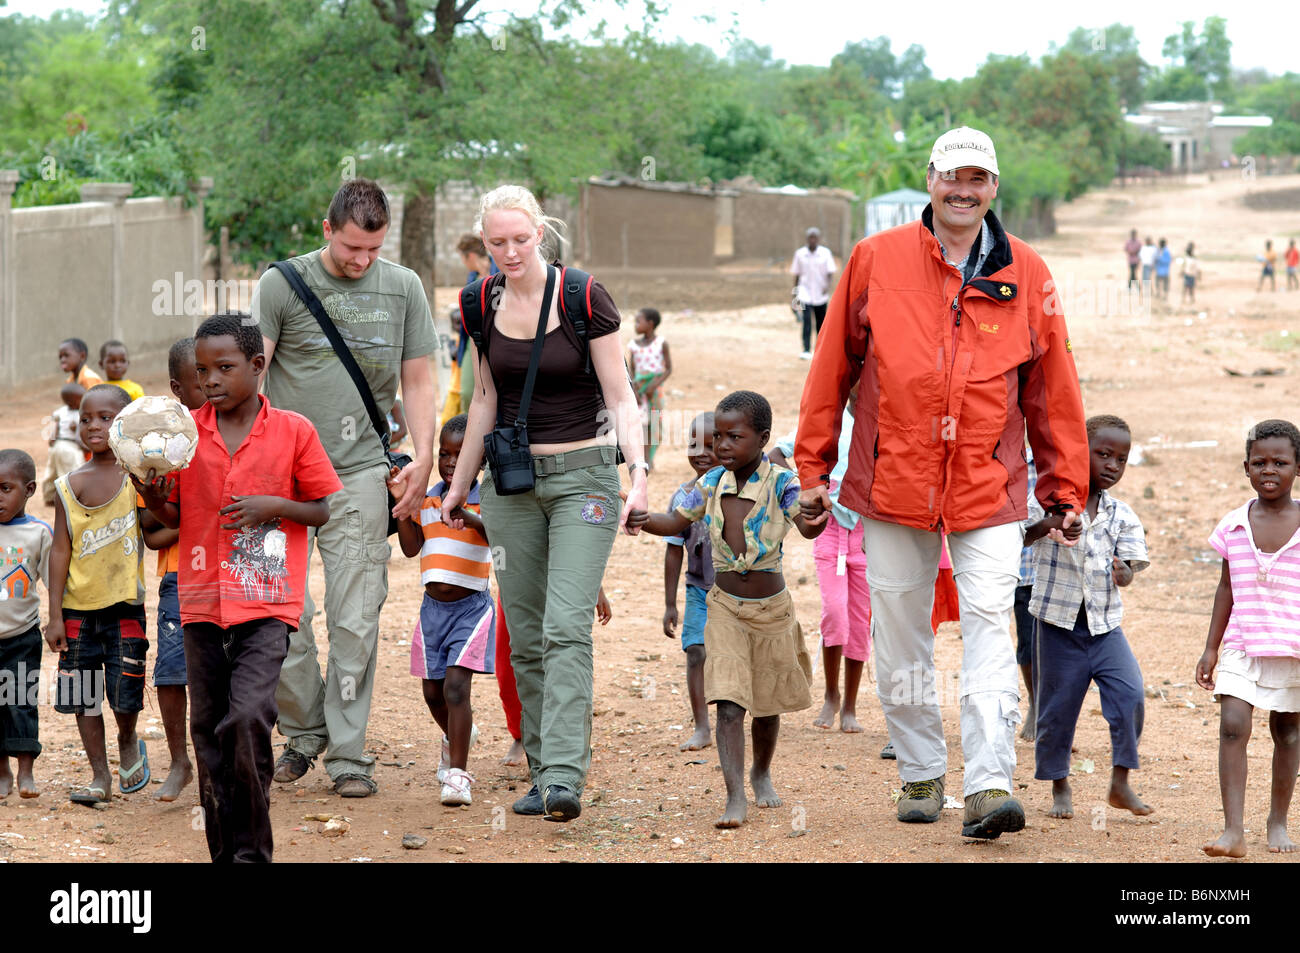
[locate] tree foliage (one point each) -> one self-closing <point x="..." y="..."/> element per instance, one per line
<point x="1200" y="63"/>
<point x="279" y="101"/>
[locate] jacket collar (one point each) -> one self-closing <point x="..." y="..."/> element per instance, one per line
<point x="998" y="259"/>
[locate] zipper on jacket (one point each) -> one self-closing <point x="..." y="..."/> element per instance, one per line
<point x="956" y="310"/>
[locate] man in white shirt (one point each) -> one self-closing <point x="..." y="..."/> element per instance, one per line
<point x="812" y="268"/>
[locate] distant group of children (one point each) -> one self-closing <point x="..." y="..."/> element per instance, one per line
<point x="66" y="450"/>
<point x="223" y="622"/>
<point x="1156" y="261"/>
<point x="1268" y="270"/>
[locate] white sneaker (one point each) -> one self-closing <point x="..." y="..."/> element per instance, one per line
<point x="455" y="787"/>
<point x="444" y="759"/>
<point x="806" y="356"/>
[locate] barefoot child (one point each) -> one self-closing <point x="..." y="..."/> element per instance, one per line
<point x="1254" y="638"/>
<point x="699" y="580"/>
<point x="455" y="635"/>
<point x="649" y="363"/>
<point x="755" y="657"/>
<point x="239" y="604"/>
<point x="113" y="360"/>
<point x="97" y="602"/>
<point x="1078" y="610"/>
<point x="25" y="545"/>
<point x="169" y="665"/>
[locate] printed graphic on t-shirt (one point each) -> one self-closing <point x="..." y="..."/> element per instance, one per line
<point x="351" y="309"/>
<point x="17" y="582"/>
<point x="123" y="528"/>
<point x="258" y="561"/>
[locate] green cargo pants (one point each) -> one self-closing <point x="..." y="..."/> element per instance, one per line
<point x="329" y="715"/>
<point x="550" y="547"/>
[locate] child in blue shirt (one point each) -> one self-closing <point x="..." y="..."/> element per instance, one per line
<point x="694" y="543"/>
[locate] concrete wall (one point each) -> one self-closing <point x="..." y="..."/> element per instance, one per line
<point x="90" y="270"/>
<point x="770" y="225"/>
<point x="455" y="209"/>
<point x="631" y="227"/>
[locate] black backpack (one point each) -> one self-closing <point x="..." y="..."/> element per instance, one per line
<point x="575" y="305"/>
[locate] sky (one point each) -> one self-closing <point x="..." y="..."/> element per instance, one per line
<point x="812" y="31"/>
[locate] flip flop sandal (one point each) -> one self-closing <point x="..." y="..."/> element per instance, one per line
<point x="124" y="772"/>
<point x="89" y="796"/>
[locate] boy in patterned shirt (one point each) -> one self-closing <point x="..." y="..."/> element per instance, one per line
<point x="25" y="545"/>
<point x="755" y="658"/>
<point x="1078" y="638"/>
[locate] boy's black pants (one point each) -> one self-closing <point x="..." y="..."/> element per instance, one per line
<point x="233" y="674"/>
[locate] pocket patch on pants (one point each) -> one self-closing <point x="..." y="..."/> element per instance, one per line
<point x="595" y="509"/>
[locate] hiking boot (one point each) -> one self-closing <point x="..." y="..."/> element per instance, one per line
<point x="530" y="805"/>
<point x="291" y="765"/>
<point x="921" y="801"/>
<point x="992" y="813"/>
<point x="561" y="803"/>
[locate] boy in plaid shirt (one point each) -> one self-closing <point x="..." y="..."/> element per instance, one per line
<point x="1078" y="639"/>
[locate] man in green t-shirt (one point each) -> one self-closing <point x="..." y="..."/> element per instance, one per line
<point x="382" y="313"/>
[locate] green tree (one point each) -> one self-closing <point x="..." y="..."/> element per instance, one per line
<point x="871" y="158"/>
<point x="1068" y="99"/>
<point x="1117" y="47"/>
<point x="1140" y="148"/>
<point x="1200" y="64"/>
<point x="146" y="154"/>
<point x="874" y="60"/>
<point x="1280" y="139"/>
<point x="1278" y="97"/>
<point x="68" y="77"/>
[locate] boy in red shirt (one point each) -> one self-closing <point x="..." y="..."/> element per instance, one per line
<point x="242" y="592"/>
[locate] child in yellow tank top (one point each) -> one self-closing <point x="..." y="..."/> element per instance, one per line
<point x="96" y="591"/>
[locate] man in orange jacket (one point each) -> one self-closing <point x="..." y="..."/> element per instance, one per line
<point x="953" y="330"/>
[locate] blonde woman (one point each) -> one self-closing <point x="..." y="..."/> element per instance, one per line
<point x="554" y="540"/>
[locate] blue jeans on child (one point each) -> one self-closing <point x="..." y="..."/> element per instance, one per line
<point x="1065" y="661"/>
<point x="169" y="666"/>
<point x="697" y="614"/>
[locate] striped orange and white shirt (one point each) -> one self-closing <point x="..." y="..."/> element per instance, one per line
<point x="460" y="557"/>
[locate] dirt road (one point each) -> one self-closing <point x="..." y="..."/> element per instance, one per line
<point x="1161" y="368"/>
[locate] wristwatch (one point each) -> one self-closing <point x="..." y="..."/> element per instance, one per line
<point x="642" y="465"/>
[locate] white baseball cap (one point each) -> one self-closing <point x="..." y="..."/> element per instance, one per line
<point x="963" y="148"/>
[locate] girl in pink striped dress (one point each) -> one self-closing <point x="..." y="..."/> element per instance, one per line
<point x="1254" y="638"/>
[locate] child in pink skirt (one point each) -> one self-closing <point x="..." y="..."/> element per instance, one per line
<point x="1254" y="639"/>
<point x="846" y="597"/>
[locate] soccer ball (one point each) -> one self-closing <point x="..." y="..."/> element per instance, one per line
<point x="153" y="433"/>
